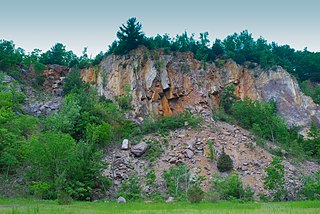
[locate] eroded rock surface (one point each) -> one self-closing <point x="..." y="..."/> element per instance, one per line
<point x="168" y="84"/>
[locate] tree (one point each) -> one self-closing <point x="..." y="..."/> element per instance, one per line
<point x="217" y="49"/>
<point x="58" y="55"/>
<point x="130" y="36"/>
<point x="224" y="163"/>
<point x="195" y="194"/>
<point x="228" y="98"/>
<point x="231" y="187"/>
<point x="274" y="180"/>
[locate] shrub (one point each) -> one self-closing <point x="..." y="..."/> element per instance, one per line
<point x="73" y="81"/>
<point x="39" y="189"/>
<point x="224" y="163"/>
<point x="164" y="124"/>
<point x="311" y="187"/>
<point x="176" y="180"/>
<point x="64" y="198"/>
<point x="212" y="196"/>
<point x="154" y="149"/>
<point x="211" y="150"/>
<point x="231" y="187"/>
<point x="195" y="194"/>
<point x="130" y="189"/>
<point x="274" y="180"/>
<point x="125" y="100"/>
<point x="228" y="98"/>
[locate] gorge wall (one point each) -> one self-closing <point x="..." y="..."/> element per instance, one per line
<point x="168" y="84"/>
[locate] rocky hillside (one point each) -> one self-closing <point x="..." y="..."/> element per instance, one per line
<point x="168" y="84"/>
<point x="191" y="147"/>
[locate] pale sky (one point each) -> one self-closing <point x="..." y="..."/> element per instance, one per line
<point x="94" y="23"/>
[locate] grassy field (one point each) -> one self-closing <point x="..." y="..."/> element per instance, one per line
<point x="14" y="206"/>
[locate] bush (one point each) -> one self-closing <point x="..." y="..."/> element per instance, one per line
<point x="224" y="163"/>
<point x="195" y="194"/>
<point x="311" y="187"/>
<point x="39" y="189"/>
<point x="73" y="81"/>
<point x="211" y="150"/>
<point x="274" y="180"/>
<point x="130" y="189"/>
<point x="164" y="124"/>
<point x="154" y="149"/>
<point x="212" y="196"/>
<point x="176" y="180"/>
<point x="231" y="187"/>
<point x="125" y="100"/>
<point x="228" y="98"/>
<point x="64" y="198"/>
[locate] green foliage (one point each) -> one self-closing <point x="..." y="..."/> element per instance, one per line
<point x="52" y="155"/>
<point x="130" y="189"/>
<point x="312" y="145"/>
<point x="263" y="120"/>
<point x="228" y="98"/>
<point x="311" y="90"/>
<point x="154" y="149"/>
<point x="130" y="37"/>
<point x="274" y="180"/>
<point x="65" y="120"/>
<point x="195" y="194"/>
<point x="39" y="189"/>
<point x="73" y="81"/>
<point x="55" y="158"/>
<point x="100" y="134"/>
<point x="15" y="129"/>
<point x="211" y="150"/>
<point x="58" y="55"/>
<point x="64" y="198"/>
<point x="125" y="100"/>
<point x="10" y="57"/>
<point x="310" y="189"/>
<point x="165" y="124"/>
<point x="176" y="180"/>
<point x="231" y="187"/>
<point x="224" y="163"/>
<point x="9" y="205"/>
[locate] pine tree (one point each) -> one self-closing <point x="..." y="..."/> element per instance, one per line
<point x="130" y="36"/>
<point x="224" y="163"/>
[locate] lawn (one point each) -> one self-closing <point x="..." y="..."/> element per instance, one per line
<point x="14" y="206"/>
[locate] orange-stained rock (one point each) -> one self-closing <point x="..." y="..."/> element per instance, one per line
<point x="165" y="107"/>
<point x="169" y="84"/>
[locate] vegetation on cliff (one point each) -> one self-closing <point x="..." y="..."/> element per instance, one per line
<point x="61" y="155"/>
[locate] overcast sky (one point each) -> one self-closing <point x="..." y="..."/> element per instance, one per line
<point x="94" y="23"/>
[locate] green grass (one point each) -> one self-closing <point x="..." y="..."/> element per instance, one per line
<point x="35" y="206"/>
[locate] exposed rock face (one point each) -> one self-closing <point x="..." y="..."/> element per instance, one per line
<point x="43" y="107"/>
<point x="54" y="77"/>
<point x="168" y="84"/>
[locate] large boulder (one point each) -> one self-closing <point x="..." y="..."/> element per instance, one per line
<point x="125" y="144"/>
<point x="139" y="149"/>
<point x="121" y="200"/>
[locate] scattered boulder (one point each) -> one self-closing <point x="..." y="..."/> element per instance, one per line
<point x="125" y="144"/>
<point x="139" y="149"/>
<point x="121" y="200"/>
<point x="188" y="153"/>
<point x="170" y="200"/>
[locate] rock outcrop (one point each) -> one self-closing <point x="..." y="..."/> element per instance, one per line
<point x="190" y="147"/>
<point x="168" y="84"/>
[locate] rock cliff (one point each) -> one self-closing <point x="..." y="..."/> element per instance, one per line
<point x="168" y="84"/>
